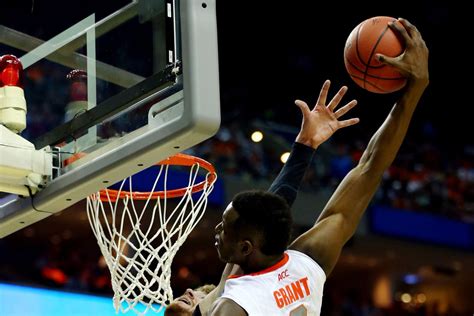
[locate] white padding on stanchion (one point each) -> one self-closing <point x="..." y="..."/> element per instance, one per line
<point x="13" y="108"/>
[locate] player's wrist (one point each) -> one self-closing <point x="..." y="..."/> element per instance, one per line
<point x="306" y="141"/>
<point x="303" y="140"/>
<point x="420" y="82"/>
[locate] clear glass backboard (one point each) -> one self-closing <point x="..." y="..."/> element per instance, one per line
<point x="111" y="87"/>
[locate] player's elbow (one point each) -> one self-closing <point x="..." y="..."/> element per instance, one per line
<point x="348" y="227"/>
<point x="344" y="224"/>
<point x="372" y="169"/>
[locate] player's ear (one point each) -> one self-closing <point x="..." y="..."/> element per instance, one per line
<point x="246" y="247"/>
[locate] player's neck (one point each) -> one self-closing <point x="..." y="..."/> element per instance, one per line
<point x="259" y="262"/>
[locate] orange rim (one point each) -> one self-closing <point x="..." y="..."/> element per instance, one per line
<point x="176" y="160"/>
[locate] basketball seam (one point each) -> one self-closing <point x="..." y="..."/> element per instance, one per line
<point x="357" y="47"/>
<point x="358" y="54"/>
<point x="373" y="51"/>
<point x="369" y="83"/>
<point x="373" y="76"/>
<point x="377" y="44"/>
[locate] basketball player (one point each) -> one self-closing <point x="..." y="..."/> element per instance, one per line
<point x="317" y="126"/>
<point x="255" y="226"/>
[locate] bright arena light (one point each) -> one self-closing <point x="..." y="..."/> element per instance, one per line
<point x="406" y="298"/>
<point x="421" y="298"/>
<point x="284" y="157"/>
<point x="257" y="136"/>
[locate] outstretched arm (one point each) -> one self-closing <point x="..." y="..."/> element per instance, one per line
<point x="339" y="219"/>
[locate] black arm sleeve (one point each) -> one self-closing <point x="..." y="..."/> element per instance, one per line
<point x="288" y="180"/>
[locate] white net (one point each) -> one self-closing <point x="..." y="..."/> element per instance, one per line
<point x="139" y="239"/>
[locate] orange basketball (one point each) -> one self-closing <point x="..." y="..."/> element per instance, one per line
<point x="370" y="37"/>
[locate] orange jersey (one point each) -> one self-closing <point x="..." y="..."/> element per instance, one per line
<point x="293" y="286"/>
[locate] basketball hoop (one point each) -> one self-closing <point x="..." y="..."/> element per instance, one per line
<point x="139" y="245"/>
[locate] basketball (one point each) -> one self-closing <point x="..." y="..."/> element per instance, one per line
<point x="367" y="39"/>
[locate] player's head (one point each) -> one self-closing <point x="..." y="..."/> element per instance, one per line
<point x="187" y="303"/>
<point x="255" y="221"/>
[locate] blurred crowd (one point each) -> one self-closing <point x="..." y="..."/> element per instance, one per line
<point x="62" y="262"/>
<point x="424" y="177"/>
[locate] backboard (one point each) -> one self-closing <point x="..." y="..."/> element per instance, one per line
<point x="111" y="87"/>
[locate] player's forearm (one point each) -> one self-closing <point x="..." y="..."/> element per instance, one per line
<point x="354" y="193"/>
<point x="385" y="143"/>
<point x="289" y="179"/>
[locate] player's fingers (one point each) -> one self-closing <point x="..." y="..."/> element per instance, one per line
<point x="400" y="29"/>
<point x="337" y="98"/>
<point x="348" y="122"/>
<point x="303" y="107"/>
<point x="346" y="108"/>
<point x="392" y="61"/>
<point x="411" y="29"/>
<point x="323" y="94"/>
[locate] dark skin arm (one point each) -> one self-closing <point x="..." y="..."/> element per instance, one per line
<point x="339" y="219"/>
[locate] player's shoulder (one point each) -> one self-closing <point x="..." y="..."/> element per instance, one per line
<point x="299" y="255"/>
<point x="306" y="260"/>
